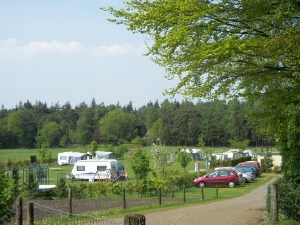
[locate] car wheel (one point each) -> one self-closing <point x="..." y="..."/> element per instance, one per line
<point x="231" y="184"/>
<point x="244" y="180"/>
<point x="201" y="185"/>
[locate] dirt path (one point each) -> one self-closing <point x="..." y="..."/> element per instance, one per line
<point x="247" y="210"/>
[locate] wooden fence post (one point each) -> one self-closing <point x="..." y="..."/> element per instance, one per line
<point x="184" y="199"/>
<point x="217" y="192"/>
<point x="124" y="199"/>
<point x="70" y="201"/>
<point x="202" y="191"/>
<point x="135" y="219"/>
<point x="30" y="213"/>
<point x="19" y="210"/>
<point x="159" y="196"/>
<point x="274" y="206"/>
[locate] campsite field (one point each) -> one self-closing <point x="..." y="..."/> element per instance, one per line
<point x="56" y="170"/>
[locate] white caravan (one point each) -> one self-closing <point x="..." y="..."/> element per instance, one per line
<point x="70" y="158"/>
<point x="96" y="169"/>
<point x="105" y="155"/>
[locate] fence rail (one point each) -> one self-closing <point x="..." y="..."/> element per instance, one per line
<point x="72" y="211"/>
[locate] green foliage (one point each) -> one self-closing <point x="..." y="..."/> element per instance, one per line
<point x="183" y="158"/>
<point x="30" y="185"/>
<point x="157" y="131"/>
<point x="115" y="188"/>
<point x="288" y="200"/>
<point x="44" y="154"/>
<point x="94" y="147"/>
<point x="262" y="165"/>
<point x="118" y="126"/>
<point x="6" y="196"/>
<point x="129" y="187"/>
<point x="140" y="164"/>
<point x="139" y="141"/>
<point x="268" y="161"/>
<point x="120" y="151"/>
<point x="215" y="49"/>
<point x="162" y="158"/>
<point x="83" y="132"/>
<point x="241" y="145"/>
<point x="21" y="125"/>
<point x="61" y="189"/>
<point x="51" y="134"/>
<point x="79" y="190"/>
<point x="16" y="180"/>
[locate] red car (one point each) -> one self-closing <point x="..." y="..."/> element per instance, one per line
<point x="218" y="177"/>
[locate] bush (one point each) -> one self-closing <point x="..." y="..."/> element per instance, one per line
<point x="61" y="189"/>
<point x="79" y="190"/>
<point x="288" y="200"/>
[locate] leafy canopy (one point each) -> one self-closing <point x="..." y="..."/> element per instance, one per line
<point x="223" y="48"/>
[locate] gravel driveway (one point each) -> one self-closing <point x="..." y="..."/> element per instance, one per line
<point x="247" y="210"/>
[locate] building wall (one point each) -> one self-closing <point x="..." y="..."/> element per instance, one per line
<point x="277" y="159"/>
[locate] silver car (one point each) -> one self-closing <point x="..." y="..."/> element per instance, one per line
<point x="243" y="177"/>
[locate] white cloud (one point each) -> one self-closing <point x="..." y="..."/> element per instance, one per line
<point x="118" y="50"/>
<point x="11" y="49"/>
<point x="54" y="47"/>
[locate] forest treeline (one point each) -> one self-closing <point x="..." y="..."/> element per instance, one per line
<point x="172" y="123"/>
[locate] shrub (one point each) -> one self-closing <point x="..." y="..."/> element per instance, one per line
<point x="30" y="187"/>
<point x="79" y="190"/>
<point x="61" y="189"/>
<point x="288" y="199"/>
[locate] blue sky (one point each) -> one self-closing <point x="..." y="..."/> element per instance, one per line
<point x="59" y="51"/>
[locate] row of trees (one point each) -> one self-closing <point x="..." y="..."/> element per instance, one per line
<point x="212" y="123"/>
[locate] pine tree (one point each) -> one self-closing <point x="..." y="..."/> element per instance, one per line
<point x="16" y="180"/>
<point x="30" y="187"/>
<point x="61" y="188"/>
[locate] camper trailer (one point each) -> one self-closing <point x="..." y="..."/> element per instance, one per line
<point x="70" y="158"/>
<point x="105" y="155"/>
<point x="97" y="169"/>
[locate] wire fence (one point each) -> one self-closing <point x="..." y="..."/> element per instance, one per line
<point x="58" y="211"/>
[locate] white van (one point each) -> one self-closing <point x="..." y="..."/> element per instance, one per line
<point x="96" y="169"/>
<point x="70" y="158"/>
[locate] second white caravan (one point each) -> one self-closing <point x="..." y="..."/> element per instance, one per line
<point x="96" y="169"/>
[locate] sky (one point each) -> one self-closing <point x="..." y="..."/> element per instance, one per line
<point x="66" y="51"/>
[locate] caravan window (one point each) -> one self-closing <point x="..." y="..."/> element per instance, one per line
<point x="80" y="168"/>
<point x="63" y="157"/>
<point x="101" y="168"/>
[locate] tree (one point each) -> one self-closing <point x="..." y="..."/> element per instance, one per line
<point x="21" y="124"/>
<point x="118" y="126"/>
<point x="140" y="164"/>
<point x="44" y="154"/>
<point x="241" y="145"/>
<point x="94" y="147"/>
<point x="30" y="186"/>
<point x="215" y="49"/>
<point x="157" y="131"/>
<point x="162" y="158"/>
<point x="61" y="188"/>
<point x="183" y="158"/>
<point x="83" y="132"/>
<point x="51" y="134"/>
